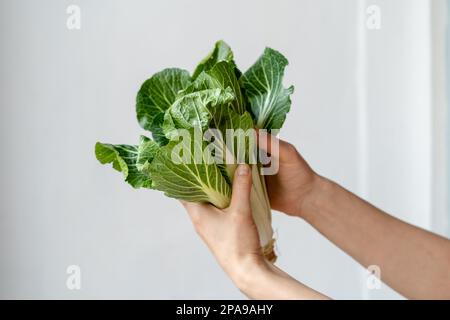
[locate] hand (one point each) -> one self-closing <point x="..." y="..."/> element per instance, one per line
<point x="231" y="233"/>
<point x="232" y="237"/>
<point x="294" y="182"/>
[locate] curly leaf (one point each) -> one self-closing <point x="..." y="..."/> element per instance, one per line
<point x="124" y="159"/>
<point x="194" y="110"/>
<point x="156" y="95"/>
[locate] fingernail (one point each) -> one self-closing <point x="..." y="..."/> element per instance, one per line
<point x="243" y="170"/>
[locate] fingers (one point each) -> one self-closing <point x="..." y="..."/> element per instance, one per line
<point x="264" y="140"/>
<point x="197" y="210"/>
<point x="240" y="199"/>
<point x="267" y="142"/>
<point x="276" y="148"/>
<point x="242" y="186"/>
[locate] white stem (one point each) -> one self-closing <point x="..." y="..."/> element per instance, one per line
<point x="261" y="208"/>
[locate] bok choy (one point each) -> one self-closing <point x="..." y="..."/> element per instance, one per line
<point x="217" y="97"/>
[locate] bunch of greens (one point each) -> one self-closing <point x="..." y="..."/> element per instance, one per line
<point x="217" y="95"/>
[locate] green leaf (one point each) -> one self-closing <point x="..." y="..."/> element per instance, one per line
<point x="237" y="145"/>
<point x="221" y="76"/>
<point x="221" y="51"/>
<point x="194" y="110"/>
<point x="226" y="118"/>
<point x="224" y="73"/>
<point x="147" y="150"/>
<point x="157" y="130"/>
<point x="269" y="100"/>
<point x="156" y="95"/>
<point x="189" y="173"/>
<point x="124" y="159"/>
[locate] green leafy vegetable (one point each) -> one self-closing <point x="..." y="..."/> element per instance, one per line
<point x="146" y="152"/>
<point x="179" y="175"/>
<point x="194" y="110"/>
<point x="221" y="52"/>
<point x="202" y="127"/>
<point x="269" y="100"/>
<point x="124" y="159"/>
<point x="223" y="76"/>
<point x="156" y="95"/>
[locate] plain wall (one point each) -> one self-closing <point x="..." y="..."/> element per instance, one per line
<point x="62" y="90"/>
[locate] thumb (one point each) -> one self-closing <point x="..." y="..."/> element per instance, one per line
<point x="242" y="186"/>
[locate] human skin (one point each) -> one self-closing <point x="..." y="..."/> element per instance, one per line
<point x="414" y="262"/>
<point x="232" y="237"/>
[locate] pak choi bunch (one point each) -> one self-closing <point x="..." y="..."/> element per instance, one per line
<point x="204" y="106"/>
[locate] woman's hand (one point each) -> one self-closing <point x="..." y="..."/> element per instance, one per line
<point x="295" y="181"/>
<point x="413" y="261"/>
<point x="230" y="233"/>
<point x="232" y="237"/>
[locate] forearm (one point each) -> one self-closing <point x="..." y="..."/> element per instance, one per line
<point x="266" y="281"/>
<point x="413" y="261"/>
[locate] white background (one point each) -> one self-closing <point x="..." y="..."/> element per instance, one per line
<point x="363" y="114"/>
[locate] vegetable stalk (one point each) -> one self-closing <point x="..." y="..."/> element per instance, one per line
<point x="262" y="213"/>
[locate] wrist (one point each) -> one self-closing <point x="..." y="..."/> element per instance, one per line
<point x="266" y="281"/>
<point x="249" y="272"/>
<point x="321" y="189"/>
